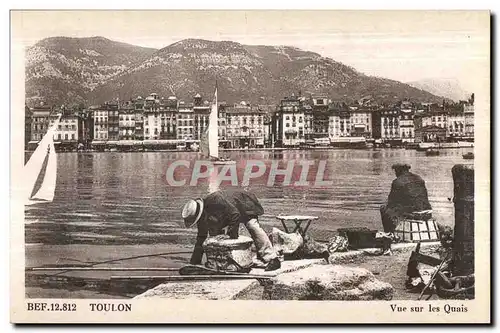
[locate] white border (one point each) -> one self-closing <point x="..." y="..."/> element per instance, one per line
<point x="353" y="4"/>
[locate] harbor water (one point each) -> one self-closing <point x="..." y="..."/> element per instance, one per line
<point x="118" y="198"/>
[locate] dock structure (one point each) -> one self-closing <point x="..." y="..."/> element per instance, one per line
<point x="233" y="289"/>
<point x="221" y="289"/>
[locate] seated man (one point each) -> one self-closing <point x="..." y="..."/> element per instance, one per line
<point x="408" y="194"/>
<point x="223" y="209"/>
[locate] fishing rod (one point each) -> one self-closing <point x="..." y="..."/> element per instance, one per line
<point x="104" y="269"/>
<point x="117" y="260"/>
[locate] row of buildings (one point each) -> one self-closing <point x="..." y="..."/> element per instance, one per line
<point x="295" y="121"/>
<point x="319" y="119"/>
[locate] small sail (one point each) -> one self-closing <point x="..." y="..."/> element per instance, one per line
<point x="34" y="166"/>
<point x="47" y="190"/>
<point x="213" y="129"/>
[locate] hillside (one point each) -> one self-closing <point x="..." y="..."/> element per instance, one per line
<point x="97" y="69"/>
<point x="65" y="70"/>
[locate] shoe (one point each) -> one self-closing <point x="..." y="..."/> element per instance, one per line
<point x="273" y="265"/>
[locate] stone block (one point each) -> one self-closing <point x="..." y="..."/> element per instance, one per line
<point x="328" y="282"/>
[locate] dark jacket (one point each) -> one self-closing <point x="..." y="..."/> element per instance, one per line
<point x="408" y="194"/>
<point x="224" y="209"/>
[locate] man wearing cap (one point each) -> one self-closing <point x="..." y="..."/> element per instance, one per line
<point x="408" y="194"/>
<point x="222" y="209"/>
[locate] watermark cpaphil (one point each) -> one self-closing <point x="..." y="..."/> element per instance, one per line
<point x="294" y="173"/>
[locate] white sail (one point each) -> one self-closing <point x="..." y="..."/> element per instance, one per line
<point x="48" y="187"/>
<point x="213" y="129"/>
<point x="34" y="166"/>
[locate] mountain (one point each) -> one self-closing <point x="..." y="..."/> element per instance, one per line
<point x="76" y="68"/>
<point x="64" y="70"/>
<point x="449" y="88"/>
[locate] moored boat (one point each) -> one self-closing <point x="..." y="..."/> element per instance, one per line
<point x="468" y="156"/>
<point x="424" y="146"/>
<point x="465" y="144"/>
<point x="431" y="152"/>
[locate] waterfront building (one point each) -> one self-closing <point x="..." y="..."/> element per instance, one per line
<point x="168" y="118"/>
<point x="113" y="122"/>
<point x="126" y="122"/>
<point x="39" y="122"/>
<point x="185" y="121"/>
<point x="435" y="116"/>
<point x="406" y="122"/>
<point x="295" y="121"/>
<point x="455" y="128"/>
<point x="67" y="131"/>
<point x="290" y="122"/>
<point x="308" y="121"/>
<point x="244" y="126"/>
<point x="469" y="118"/>
<point x="151" y="118"/>
<point x="361" y="122"/>
<point x="430" y="133"/>
<point x="101" y="123"/>
<point x="139" y="118"/>
<point x="320" y="118"/>
<point x="201" y="115"/>
<point x="159" y="118"/>
<point x="390" y="128"/>
<point x="339" y="121"/>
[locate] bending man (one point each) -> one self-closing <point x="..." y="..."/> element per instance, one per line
<point x="222" y="209"/>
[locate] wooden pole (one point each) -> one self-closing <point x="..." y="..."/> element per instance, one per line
<point x="161" y="269"/>
<point x="463" y="198"/>
<point x="433" y="277"/>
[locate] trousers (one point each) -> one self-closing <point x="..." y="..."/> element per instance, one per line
<point x="265" y="250"/>
<point x="390" y="218"/>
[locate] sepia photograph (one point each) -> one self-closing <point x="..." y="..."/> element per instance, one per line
<point x="192" y="156"/>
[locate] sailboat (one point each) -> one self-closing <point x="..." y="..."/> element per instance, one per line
<point x="209" y="142"/>
<point x="33" y="168"/>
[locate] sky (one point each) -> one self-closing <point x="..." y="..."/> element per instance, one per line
<point x="404" y="46"/>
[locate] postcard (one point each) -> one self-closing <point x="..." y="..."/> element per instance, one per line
<point x="230" y="166"/>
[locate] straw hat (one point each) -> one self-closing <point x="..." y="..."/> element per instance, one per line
<point x="191" y="212"/>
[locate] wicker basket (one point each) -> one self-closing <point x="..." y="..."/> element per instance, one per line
<point x="232" y="255"/>
<point x="413" y="230"/>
